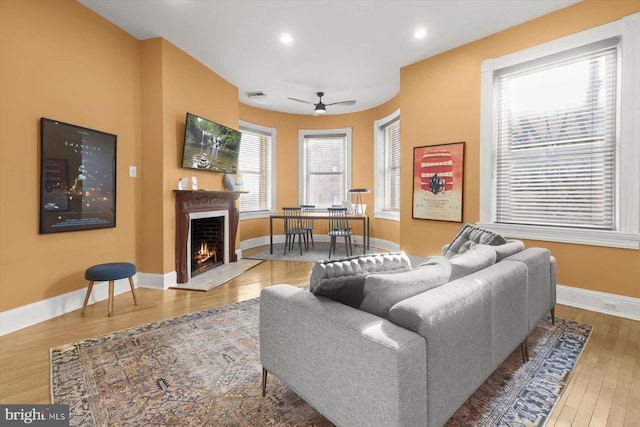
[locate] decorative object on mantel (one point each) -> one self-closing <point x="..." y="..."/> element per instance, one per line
<point x="359" y="208"/>
<point x="229" y="182"/>
<point x="194" y="183"/>
<point x="106" y="380"/>
<point x="183" y="184"/>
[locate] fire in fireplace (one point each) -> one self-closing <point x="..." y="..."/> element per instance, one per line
<point x="207" y="243"/>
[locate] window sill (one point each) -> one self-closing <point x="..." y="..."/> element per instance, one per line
<point x="612" y="239"/>
<point x="256" y="214"/>
<point x="393" y="216"/>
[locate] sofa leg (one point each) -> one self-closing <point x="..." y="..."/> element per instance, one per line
<point x="264" y="382"/>
<point x="525" y="351"/>
<point x="553" y="316"/>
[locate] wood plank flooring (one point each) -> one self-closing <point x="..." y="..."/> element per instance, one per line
<point x="603" y="390"/>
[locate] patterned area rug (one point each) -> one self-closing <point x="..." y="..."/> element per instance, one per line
<point x="203" y="369"/>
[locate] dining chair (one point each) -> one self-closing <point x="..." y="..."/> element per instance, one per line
<point x="339" y="227"/>
<point x="292" y="228"/>
<point x="307" y="222"/>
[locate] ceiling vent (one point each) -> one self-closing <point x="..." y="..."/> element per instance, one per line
<point x="256" y="94"/>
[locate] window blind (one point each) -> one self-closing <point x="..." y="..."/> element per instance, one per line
<point x="254" y="163"/>
<point x="324" y="169"/>
<point x="392" y="165"/>
<point x="555" y="158"/>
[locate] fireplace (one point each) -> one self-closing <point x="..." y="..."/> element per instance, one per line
<point x="208" y="241"/>
<point x="197" y="205"/>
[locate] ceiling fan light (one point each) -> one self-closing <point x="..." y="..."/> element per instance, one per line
<point x="320" y="109"/>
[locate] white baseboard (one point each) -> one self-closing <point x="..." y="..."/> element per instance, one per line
<point x="615" y="305"/>
<point x="158" y="281"/>
<point x="28" y="315"/>
<point x="279" y="238"/>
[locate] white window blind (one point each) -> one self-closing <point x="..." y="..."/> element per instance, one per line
<point x="391" y="165"/>
<point x="325" y="168"/>
<point x="254" y="166"/>
<point x="556" y="142"/>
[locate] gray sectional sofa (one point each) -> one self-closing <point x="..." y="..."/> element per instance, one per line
<point x="375" y="342"/>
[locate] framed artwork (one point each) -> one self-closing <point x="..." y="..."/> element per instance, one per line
<point x="438" y="175"/>
<point x="78" y="178"/>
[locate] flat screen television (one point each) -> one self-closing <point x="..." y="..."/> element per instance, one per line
<point x="209" y="146"/>
<point x="78" y="178"/>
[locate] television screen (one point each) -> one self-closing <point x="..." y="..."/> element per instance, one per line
<point x="210" y="146"/>
<point x="78" y="178"/>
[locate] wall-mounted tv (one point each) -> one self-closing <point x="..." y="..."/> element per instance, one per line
<point x="78" y="178"/>
<point x="209" y="146"/>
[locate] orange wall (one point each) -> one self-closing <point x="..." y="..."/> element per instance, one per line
<point x="173" y="84"/>
<point x="60" y="61"/>
<point x="287" y="126"/>
<point x="440" y="103"/>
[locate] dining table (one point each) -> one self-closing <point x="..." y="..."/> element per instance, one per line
<point x="324" y="215"/>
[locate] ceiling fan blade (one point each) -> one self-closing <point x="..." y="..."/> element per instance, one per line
<point x="342" y="103"/>
<point x="301" y="100"/>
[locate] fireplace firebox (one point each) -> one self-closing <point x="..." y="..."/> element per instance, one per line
<point x="207" y="244"/>
<point x="195" y="205"/>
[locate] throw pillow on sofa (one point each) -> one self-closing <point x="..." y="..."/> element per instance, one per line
<point x="343" y="280"/>
<point x="383" y="291"/>
<point x="471" y="236"/>
<point x="481" y="256"/>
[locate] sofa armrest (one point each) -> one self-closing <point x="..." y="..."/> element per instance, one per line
<point x="455" y="320"/>
<point x="470" y="324"/>
<point x="316" y="345"/>
<point x="541" y="283"/>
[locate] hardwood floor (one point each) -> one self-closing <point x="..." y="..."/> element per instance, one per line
<point x="603" y="390"/>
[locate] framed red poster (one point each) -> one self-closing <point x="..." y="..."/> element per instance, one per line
<point x="438" y="175"/>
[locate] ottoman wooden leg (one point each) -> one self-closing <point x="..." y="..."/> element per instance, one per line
<point x="110" y="297"/>
<point x="133" y="290"/>
<point x="86" y="297"/>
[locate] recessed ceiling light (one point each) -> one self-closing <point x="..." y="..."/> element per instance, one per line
<point x="286" y="39"/>
<point x="420" y="33"/>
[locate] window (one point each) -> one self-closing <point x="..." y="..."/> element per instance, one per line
<point x="558" y="156"/>
<point x="387" y="166"/>
<point x="255" y="163"/>
<point x="325" y="166"/>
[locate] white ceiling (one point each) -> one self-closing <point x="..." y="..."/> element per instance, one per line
<point x="349" y="49"/>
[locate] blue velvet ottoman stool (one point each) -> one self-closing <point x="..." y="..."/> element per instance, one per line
<point x="109" y="272"/>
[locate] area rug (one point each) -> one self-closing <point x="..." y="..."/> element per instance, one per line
<point x="318" y="252"/>
<point x="203" y="369"/>
<point x="218" y="276"/>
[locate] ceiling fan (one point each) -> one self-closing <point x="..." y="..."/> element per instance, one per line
<point x="320" y="107"/>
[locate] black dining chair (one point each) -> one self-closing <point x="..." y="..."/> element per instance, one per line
<point x="307" y="222"/>
<point x="339" y="227"/>
<point x="292" y="228"/>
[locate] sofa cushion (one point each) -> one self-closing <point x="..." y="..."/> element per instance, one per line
<point x="382" y="291"/>
<point x="343" y="280"/>
<point x="481" y="256"/>
<point x="471" y="236"/>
